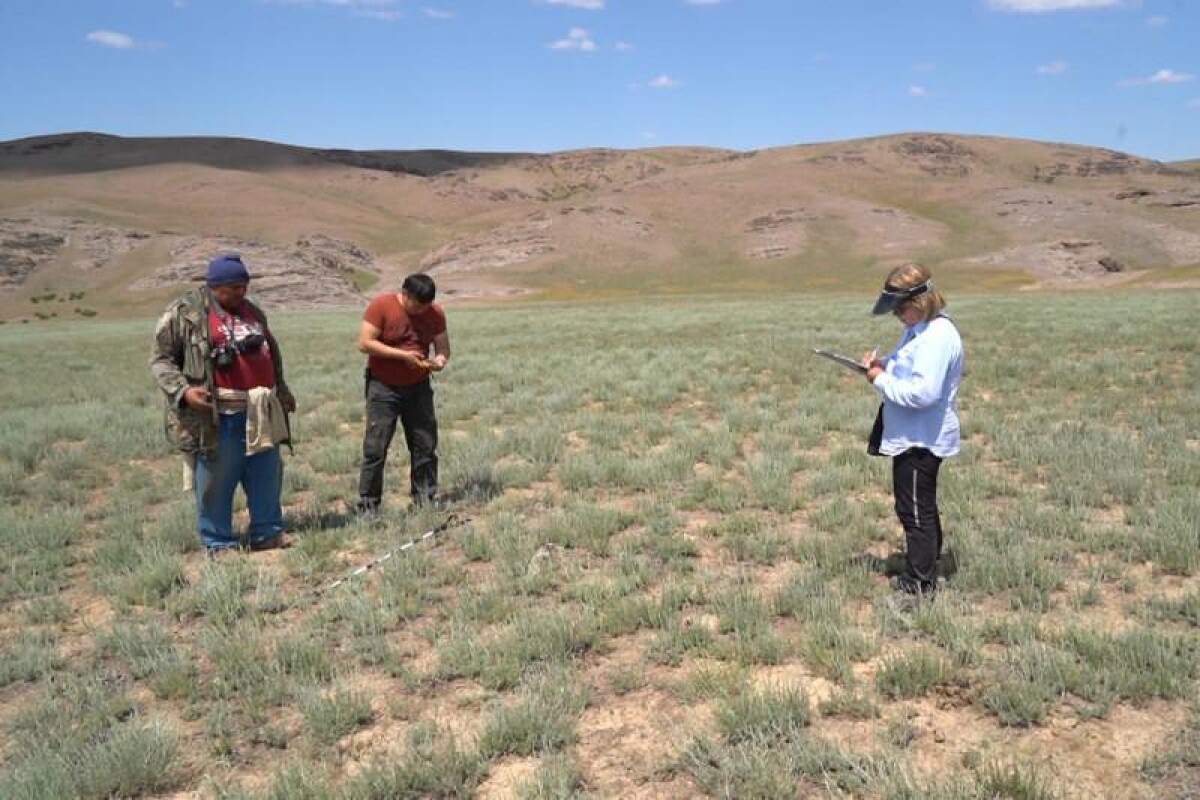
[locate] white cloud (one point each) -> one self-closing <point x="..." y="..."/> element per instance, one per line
<point x="664" y="82"/>
<point x="918" y="91"/>
<point x="576" y="39"/>
<point x="437" y="13"/>
<point x="925" y="67"/>
<point x="379" y="9"/>
<point x="1162" y="76"/>
<point x="703" y="2"/>
<point x="383" y="10"/>
<point x="114" y="39"/>
<point x="1194" y="103"/>
<point x="624" y="46"/>
<point x="1042" y="6"/>
<point x="1170" y="76"/>
<point x="1053" y="68"/>
<point x="179" y="3"/>
<point x="1157" y="21"/>
<point x="379" y="14"/>
<point x="590" y="5"/>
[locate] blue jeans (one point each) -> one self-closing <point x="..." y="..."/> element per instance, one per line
<point x="261" y="477"/>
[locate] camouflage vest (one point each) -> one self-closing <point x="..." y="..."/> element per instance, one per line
<point x="181" y="359"/>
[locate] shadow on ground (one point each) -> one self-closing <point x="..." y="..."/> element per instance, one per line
<point x="311" y="520"/>
<point x="896" y="564"/>
<point x="474" y="490"/>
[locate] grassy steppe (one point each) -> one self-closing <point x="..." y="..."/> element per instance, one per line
<point x="668" y="581"/>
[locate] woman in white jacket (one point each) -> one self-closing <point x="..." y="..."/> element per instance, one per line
<point x="918" y="382"/>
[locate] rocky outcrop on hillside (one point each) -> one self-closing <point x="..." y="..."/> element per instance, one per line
<point x="592" y="169"/>
<point x="27" y="243"/>
<point x="936" y="155"/>
<point x="890" y="232"/>
<point x="1027" y="207"/>
<point x="1068" y="258"/>
<point x="572" y="175"/>
<point x="894" y="232"/>
<point x="601" y="219"/>
<point x="847" y="156"/>
<point x="1038" y="213"/>
<point x="777" y="234"/>
<point x="316" y="271"/>
<point x="538" y="234"/>
<point x="1166" y="198"/>
<point x="1097" y="163"/>
<point x="99" y="247"/>
<point x="498" y="222"/>
<point x="503" y="246"/>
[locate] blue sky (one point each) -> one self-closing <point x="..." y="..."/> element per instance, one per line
<point x="545" y="75"/>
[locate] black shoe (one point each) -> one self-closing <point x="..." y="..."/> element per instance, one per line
<point x="218" y="553"/>
<point x="367" y="508"/>
<point x="432" y="502"/>
<point x="279" y="541"/>
<point x="897" y="564"/>
<point x="907" y="584"/>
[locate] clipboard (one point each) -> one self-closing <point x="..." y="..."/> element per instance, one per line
<point x="852" y="364"/>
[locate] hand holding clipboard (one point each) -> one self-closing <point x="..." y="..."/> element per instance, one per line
<point x="852" y="364"/>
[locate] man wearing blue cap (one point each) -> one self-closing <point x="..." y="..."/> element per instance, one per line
<point x="221" y="371"/>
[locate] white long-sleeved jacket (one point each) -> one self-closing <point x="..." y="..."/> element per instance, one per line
<point x="919" y="388"/>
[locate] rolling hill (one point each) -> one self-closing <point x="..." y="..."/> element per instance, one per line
<point x="107" y="224"/>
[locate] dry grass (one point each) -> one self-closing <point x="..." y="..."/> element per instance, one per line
<point x="664" y="582"/>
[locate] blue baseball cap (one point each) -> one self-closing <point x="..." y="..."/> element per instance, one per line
<point x="226" y="270"/>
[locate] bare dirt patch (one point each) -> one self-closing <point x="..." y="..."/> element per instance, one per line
<point x="506" y="775"/>
<point x="626" y="741"/>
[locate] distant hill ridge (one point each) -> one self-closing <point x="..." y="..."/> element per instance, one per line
<point x="122" y="222"/>
<point x="89" y="152"/>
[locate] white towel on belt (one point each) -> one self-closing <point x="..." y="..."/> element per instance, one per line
<point x="266" y="422"/>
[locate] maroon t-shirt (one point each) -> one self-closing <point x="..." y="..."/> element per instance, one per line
<point x="249" y="369"/>
<point x="399" y="330"/>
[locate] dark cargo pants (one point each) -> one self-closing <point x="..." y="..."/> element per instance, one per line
<point x="413" y="407"/>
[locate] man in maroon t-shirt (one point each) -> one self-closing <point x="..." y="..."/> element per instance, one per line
<point x="404" y="337"/>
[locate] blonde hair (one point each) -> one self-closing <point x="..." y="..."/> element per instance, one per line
<point x="906" y="276"/>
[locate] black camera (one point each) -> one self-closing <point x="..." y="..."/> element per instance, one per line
<point x="224" y="356"/>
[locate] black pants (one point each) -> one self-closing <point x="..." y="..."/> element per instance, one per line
<point x="914" y="486"/>
<point x="413" y="406"/>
